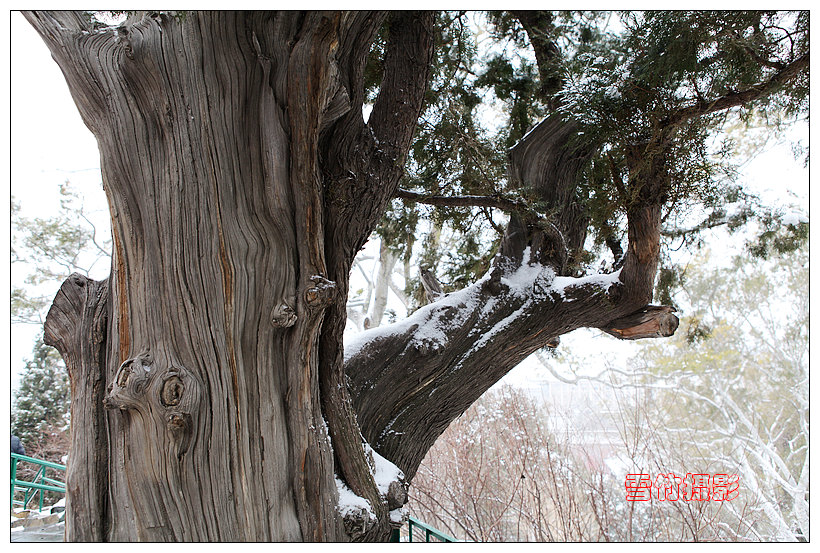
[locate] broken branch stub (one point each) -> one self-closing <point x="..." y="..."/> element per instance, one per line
<point x="651" y="321"/>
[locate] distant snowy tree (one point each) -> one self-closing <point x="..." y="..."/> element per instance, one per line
<point x="42" y="401"/>
<point x="44" y="251"/>
<point x="732" y="389"/>
<point x="727" y="395"/>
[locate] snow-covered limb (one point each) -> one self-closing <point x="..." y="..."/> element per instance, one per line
<point x="448" y="352"/>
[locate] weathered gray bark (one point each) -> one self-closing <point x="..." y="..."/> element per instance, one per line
<point x="224" y="421"/>
<point x="77" y="324"/>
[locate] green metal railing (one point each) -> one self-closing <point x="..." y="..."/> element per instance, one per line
<point x="417" y="531"/>
<point x="40" y="484"/>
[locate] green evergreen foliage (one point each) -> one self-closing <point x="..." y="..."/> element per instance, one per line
<point x="454" y="153"/>
<point x="625" y="90"/>
<point x="43" y="397"/>
<point x="778" y="237"/>
<point x="629" y="80"/>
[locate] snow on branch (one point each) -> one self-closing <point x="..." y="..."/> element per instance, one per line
<point x="429" y="328"/>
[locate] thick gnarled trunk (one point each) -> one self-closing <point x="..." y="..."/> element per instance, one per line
<point x="209" y="132"/>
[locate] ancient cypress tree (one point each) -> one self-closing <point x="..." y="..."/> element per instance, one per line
<point x="209" y="376"/>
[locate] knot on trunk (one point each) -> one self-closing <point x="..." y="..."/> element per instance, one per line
<point x="169" y="397"/>
<point x="284" y="315"/>
<point x="130" y="384"/>
<point x="171" y="391"/>
<point x="358" y="521"/>
<point x="396" y="495"/>
<point x="322" y="293"/>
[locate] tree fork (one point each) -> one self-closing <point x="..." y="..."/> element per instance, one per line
<point x="422" y="384"/>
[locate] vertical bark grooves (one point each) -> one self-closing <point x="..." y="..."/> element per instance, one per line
<point x="209" y="157"/>
<point x="309" y="71"/>
<point x="77" y="325"/>
<point x="362" y="166"/>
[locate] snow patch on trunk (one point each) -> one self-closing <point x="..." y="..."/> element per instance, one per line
<point x="429" y="327"/>
<point x="399" y="516"/>
<point x="431" y="322"/>
<point x="528" y="277"/>
<point x="350" y="503"/>
<point x="384" y="472"/>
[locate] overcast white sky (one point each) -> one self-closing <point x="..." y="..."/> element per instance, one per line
<point x="50" y="144"/>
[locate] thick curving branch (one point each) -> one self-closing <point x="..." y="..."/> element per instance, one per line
<point x="538" y="25"/>
<point x="411" y="379"/>
<point x="546" y="165"/>
<point x="364" y="162"/>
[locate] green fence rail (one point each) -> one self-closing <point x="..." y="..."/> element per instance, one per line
<point x="417" y="531"/>
<point x="40" y="484"/>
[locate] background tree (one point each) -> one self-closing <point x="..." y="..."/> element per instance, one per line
<point x="243" y="178"/>
<point x="43" y="397"/>
<point x="48" y="250"/>
<point x="728" y="394"/>
<point x="40" y="411"/>
<point x="741" y="372"/>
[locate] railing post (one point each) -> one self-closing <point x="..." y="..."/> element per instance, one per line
<point x="42" y="493"/>
<point x="13" y="478"/>
<point x="429" y="531"/>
